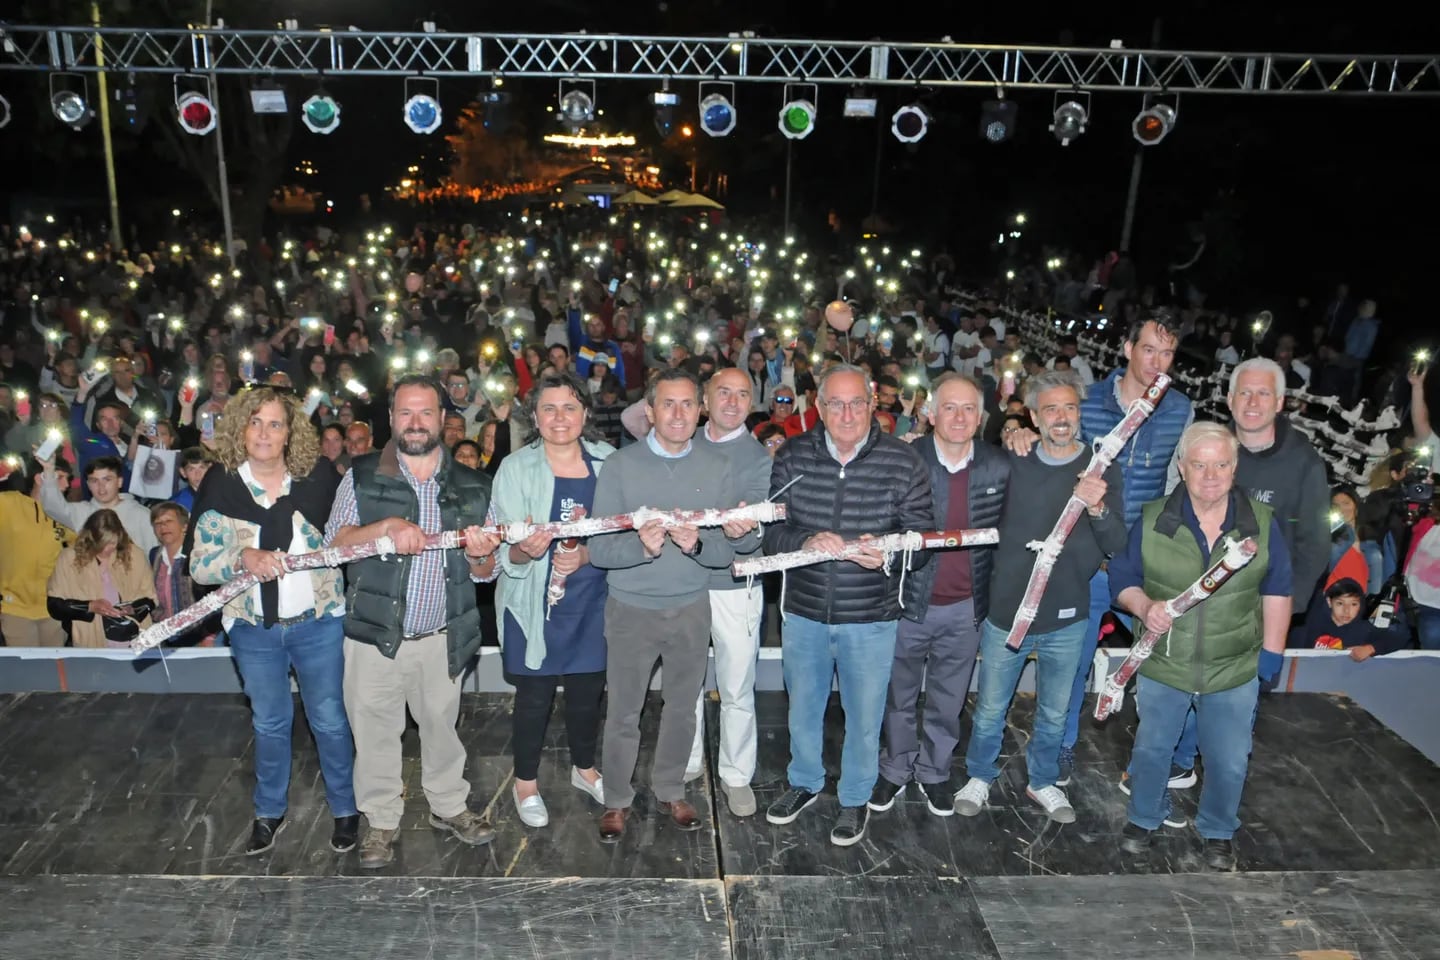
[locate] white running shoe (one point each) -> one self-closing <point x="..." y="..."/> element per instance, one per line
<point x="971" y="798"/>
<point x="1054" y="802"/>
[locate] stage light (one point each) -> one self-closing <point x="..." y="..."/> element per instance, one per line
<point x="4" y="112"/>
<point x="910" y="123"/>
<point x="269" y="100"/>
<point x="797" y="119"/>
<point x="70" y="108"/>
<point x="196" y="113"/>
<point x="860" y="107"/>
<point x="321" y="114"/>
<point x="577" y="108"/>
<point x="1153" y="124"/>
<point x="1071" y="117"/>
<point x="997" y="120"/>
<point x="717" y="115"/>
<point x="665" y="103"/>
<point x="423" y="114"/>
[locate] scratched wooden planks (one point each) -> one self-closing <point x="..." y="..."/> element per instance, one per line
<point x="168" y="918"/>
<point x="106" y="783"/>
<point x="859" y="918"/>
<point x="1377" y="915"/>
<point x="1329" y="788"/>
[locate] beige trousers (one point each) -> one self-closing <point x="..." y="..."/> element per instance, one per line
<point x="24" y="632"/>
<point x="377" y="691"/>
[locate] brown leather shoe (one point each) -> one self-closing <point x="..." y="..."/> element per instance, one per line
<point x="682" y="813"/>
<point x="612" y="824"/>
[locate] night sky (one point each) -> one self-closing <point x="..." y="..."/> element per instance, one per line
<point x="1297" y="194"/>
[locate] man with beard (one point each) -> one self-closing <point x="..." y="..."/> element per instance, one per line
<point x="1057" y="633"/>
<point x="411" y="623"/>
<point x="659" y="603"/>
<point x="735" y="607"/>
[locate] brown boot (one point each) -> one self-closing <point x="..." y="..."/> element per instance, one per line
<point x="681" y="813"/>
<point x="612" y="825"/>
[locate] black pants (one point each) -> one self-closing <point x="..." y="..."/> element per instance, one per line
<point x="533" y="699"/>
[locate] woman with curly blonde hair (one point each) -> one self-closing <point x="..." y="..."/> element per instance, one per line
<point x="266" y="500"/>
<point x="101" y="585"/>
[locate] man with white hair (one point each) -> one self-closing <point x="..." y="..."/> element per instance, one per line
<point x="1278" y="467"/>
<point x="1211" y="661"/>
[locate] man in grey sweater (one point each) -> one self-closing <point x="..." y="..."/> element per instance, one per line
<point x="659" y="603"/>
<point x="736" y="608"/>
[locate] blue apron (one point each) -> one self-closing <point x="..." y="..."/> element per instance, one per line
<point x="575" y="632"/>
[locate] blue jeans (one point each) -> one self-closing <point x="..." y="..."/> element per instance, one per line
<point x="1224" y="723"/>
<point x="1427" y="627"/>
<point x="264" y="656"/>
<point x="1099" y="604"/>
<point x="1056" y="656"/>
<point x="862" y="654"/>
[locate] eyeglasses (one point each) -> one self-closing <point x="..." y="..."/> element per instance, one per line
<point x="784" y="399"/>
<point x="774" y="442"/>
<point x="1010" y="430"/>
<point x="857" y="406"/>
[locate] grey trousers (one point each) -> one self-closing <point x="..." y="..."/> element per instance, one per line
<point x="635" y="638"/>
<point x="937" y="656"/>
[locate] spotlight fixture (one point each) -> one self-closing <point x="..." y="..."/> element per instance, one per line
<point x="577" y="107"/>
<point x="997" y="120"/>
<point x="422" y="112"/>
<point x="797" y="110"/>
<point x="320" y="113"/>
<point x="69" y="99"/>
<point x="910" y="123"/>
<point x="861" y="104"/>
<point x="717" y="111"/>
<point x="1153" y="124"/>
<point x="1071" y="116"/>
<point x="4" y="111"/>
<point x="197" y="114"/>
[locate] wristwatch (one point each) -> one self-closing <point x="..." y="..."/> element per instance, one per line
<point x="1104" y="512"/>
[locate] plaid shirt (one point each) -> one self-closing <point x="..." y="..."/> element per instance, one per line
<point x="425" y="590"/>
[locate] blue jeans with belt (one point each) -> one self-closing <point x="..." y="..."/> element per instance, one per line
<point x="264" y="656"/>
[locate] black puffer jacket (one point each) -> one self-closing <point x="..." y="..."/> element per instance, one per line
<point x="885" y="489"/>
<point x="989" y="476"/>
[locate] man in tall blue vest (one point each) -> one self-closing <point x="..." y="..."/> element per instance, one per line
<point x="1144" y="462"/>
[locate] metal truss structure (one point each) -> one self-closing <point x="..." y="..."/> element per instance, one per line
<point x="356" y="52"/>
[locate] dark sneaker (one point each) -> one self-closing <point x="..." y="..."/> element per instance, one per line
<point x="345" y="834"/>
<point x="1067" y="766"/>
<point x="262" y="835"/>
<point x="1135" y="840"/>
<point x="939" y="799"/>
<point x="790" y="805"/>
<point x="1220" y="855"/>
<point x="1180" y="778"/>
<point x="884" y="796"/>
<point x="850" y="826"/>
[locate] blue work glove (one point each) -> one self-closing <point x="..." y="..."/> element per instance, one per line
<point x="1269" y="668"/>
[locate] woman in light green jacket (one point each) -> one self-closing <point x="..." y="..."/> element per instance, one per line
<point x="549" y="600"/>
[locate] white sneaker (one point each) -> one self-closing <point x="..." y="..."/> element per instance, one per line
<point x="596" y="790"/>
<point x="1054" y="802"/>
<point x="971" y="798"/>
<point x="532" y="809"/>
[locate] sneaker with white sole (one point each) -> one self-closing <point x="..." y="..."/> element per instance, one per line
<point x="850" y="826"/>
<point x="1067" y="766"/>
<point x="532" y="810"/>
<point x="595" y="790"/>
<point x="1180" y="779"/>
<point x="971" y="798"/>
<point x="791" y="804"/>
<point x="1054" y="802"/>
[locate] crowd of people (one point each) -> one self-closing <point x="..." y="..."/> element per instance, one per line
<point x="172" y="422"/>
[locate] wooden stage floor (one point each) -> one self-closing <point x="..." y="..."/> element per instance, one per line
<point x="123" y="819"/>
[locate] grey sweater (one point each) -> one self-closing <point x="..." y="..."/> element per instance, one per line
<point x="751" y="466"/>
<point x="635" y="477"/>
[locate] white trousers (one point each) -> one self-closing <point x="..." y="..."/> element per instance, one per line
<point x="735" y="633"/>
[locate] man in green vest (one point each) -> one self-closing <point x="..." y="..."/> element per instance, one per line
<point x="1213" y="656"/>
<point x="411" y="624"/>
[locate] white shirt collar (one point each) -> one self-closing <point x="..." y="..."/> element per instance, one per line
<point x="739" y="431"/>
<point x="955" y="467"/>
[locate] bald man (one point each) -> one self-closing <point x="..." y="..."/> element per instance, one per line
<point x="735" y="607"/>
<point x="358" y="440"/>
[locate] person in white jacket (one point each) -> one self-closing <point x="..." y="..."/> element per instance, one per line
<point x="103" y="477"/>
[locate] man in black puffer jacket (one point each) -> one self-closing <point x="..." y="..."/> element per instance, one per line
<point x="842" y="480"/>
<point x="945" y="602"/>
